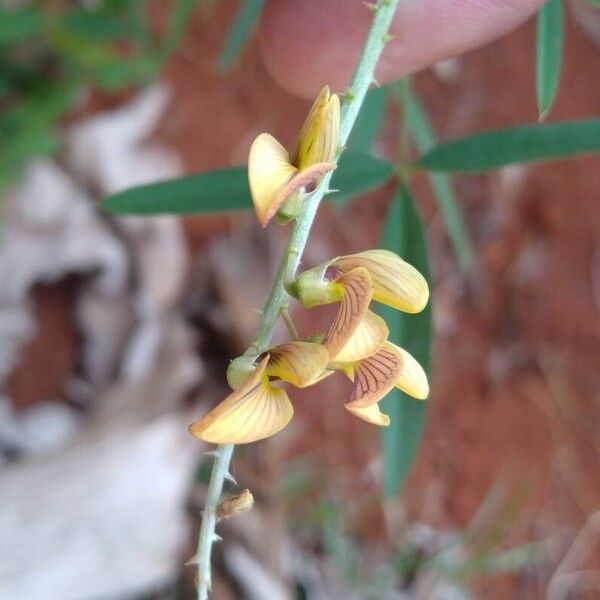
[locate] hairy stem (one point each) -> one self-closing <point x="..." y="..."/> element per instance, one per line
<point x="278" y="300"/>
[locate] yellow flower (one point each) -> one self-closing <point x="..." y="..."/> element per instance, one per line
<point x="274" y="179"/>
<point x="354" y="280"/>
<point x="258" y="409"/>
<point x="357" y="339"/>
<point x="376" y="375"/>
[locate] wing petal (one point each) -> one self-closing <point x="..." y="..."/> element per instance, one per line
<point x="253" y="412"/>
<point x="369" y="336"/>
<point x="299" y="363"/>
<point x="269" y="171"/>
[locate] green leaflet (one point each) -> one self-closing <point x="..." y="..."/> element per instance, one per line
<point x="226" y="190"/>
<point x="549" y="45"/>
<point x="403" y="234"/>
<point x="530" y="143"/>
<point x="369" y="120"/>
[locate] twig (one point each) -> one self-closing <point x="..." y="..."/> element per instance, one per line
<point x="278" y="300"/>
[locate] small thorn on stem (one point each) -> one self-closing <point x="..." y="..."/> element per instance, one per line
<point x="229" y="477"/>
<point x="371" y="6"/>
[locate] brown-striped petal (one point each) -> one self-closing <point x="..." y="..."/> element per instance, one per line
<point x="356" y="286"/>
<point x="253" y="412"/>
<point x="299" y="363"/>
<point x="375" y="376"/>
<point x="395" y="282"/>
<point x="368" y="337"/>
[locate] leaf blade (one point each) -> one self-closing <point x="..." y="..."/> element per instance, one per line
<point x="226" y="190"/>
<point x="530" y="143"/>
<point x="549" y="47"/>
<point x="369" y="120"/>
<point x="403" y="234"/>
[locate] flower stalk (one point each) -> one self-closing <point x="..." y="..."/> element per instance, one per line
<point x="278" y="301"/>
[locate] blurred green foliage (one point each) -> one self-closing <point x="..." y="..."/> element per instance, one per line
<point x="50" y="56"/>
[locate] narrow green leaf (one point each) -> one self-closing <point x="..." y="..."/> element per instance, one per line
<point x="241" y="28"/>
<point x="227" y="190"/>
<point x="530" y="143"/>
<point x="223" y="190"/>
<point x="403" y="234"/>
<point x="368" y="123"/>
<point x="422" y="133"/>
<point x="549" y="44"/>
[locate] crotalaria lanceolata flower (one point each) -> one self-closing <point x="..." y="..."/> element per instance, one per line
<point x="275" y="179"/>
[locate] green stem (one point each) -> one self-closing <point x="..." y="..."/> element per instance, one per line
<point x="278" y="300"/>
<point x="209" y="518"/>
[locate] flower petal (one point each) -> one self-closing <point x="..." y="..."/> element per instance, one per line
<point x="370" y="414"/>
<point x="356" y="286"/>
<point x="319" y="136"/>
<point x="269" y="171"/>
<point x="307" y="178"/>
<point x="299" y="363"/>
<point x="412" y="379"/>
<point x="254" y="411"/>
<point x="368" y="337"/>
<point x="395" y="282"/>
<point x="375" y="376"/>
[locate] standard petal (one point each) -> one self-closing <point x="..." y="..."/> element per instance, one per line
<point x="299" y="363"/>
<point x="253" y="412"/>
<point x="269" y="171"/>
<point x="356" y="287"/>
<point x="375" y="376"/>
<point x="369" y="336"/>
<point x="395" y="282"/>
<point x="412" y="379"/>
<point x="319" y="137"/>
<point x="370" y="414"/>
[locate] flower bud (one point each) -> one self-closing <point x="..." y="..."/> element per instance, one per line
<point x="235" y="505"/>
<point x="239" y="370"/>
<point x="314" y="287"/>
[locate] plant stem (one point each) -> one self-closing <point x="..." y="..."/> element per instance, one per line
<point x="209" y="518"/>
<point x="278" y="300"/>
<point x="289" y="323"/>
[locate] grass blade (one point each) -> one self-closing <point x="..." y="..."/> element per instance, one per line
<point x="226" y="190"/>
<point x="549" y="44"/>
<point x="530" y="143"/>
<point x="403" y="234"/>
<point x="239" y="33"/>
